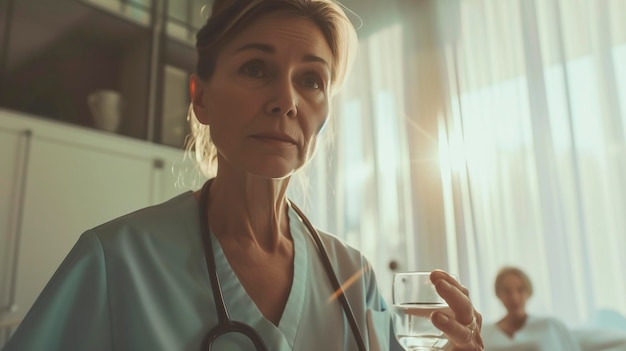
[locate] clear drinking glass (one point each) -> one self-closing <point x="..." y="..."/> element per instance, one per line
<point x="414" y="299"/>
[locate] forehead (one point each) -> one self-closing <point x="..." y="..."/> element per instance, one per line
<point x="284" y="32"/>
<point x="512" y="281"/>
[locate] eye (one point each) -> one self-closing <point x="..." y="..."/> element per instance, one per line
<point x="312" y="81"/>
<point x="254" y="69"/>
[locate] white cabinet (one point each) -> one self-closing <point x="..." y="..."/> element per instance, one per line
<point x="13" y="153"/>
<point x="56" y="181"/>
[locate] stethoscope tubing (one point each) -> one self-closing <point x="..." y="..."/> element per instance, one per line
<point x="330" y="272"/>
<point x="225" y="324"/>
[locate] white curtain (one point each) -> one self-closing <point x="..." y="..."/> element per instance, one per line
<point x="480" y="133"/>
<point x="532" y="151"/>
<point x="475" y="134"/>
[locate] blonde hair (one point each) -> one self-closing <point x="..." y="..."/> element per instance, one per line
<point x="508" y="270"/>
<point x="230" y="17"/>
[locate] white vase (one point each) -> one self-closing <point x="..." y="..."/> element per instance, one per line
<point x="106" y="109"/>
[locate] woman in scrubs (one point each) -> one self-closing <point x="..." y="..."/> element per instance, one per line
<point x="519" y="331"/>
<point x="235" y="265"/>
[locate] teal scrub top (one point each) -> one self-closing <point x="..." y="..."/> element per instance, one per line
<point x="140" y="282"/>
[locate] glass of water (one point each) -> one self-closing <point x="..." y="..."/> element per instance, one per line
<point x="414" y="299"/>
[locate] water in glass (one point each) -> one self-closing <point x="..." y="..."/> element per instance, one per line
<point x="414" y="300"/>
<point x="414" y="329"/>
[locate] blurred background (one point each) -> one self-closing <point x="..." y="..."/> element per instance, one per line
<point x="475" y="134"/>
<point x="471" y="134"/>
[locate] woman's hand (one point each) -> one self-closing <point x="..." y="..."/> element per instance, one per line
<point x="463" y="326"/>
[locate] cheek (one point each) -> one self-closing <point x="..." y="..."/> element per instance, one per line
<point x="314" y="112"/>
<point x="321" y="116"/>
<point x="230" y="106"/>
<point x="313" y="126"/>
<point x="506" y="299"/>
<point x="316" y="128"/>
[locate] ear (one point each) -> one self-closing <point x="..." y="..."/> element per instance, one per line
<point x="197" y="89"/>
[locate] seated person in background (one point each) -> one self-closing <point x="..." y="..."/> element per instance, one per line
<point x="517" y="330"/>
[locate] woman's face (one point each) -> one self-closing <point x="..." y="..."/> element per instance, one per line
<point x="268" y="98"/>
<point x="513" y="294"/>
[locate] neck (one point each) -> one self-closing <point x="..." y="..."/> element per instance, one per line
<point x="516" y="319"/>
<point x="250" y="211"/>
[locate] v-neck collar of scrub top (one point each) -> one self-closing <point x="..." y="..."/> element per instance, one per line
<point x="521" y="331"/>
<point x="242" y="308"/>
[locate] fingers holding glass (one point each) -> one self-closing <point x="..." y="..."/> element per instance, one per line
<point x="467" y="337"/>
<point x="462" y="325"/>
<point x="456" y="297"/>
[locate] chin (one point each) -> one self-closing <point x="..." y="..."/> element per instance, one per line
<point x="518" y="312"/>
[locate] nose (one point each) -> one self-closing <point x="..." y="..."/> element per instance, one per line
<point x="283" y="100"/>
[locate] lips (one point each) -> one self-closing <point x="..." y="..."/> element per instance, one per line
<point x="275" y="137"/>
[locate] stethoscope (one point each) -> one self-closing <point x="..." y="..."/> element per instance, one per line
<point x="225" y="324"/>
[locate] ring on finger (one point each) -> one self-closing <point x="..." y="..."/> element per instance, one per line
<point x="472" y="327"/>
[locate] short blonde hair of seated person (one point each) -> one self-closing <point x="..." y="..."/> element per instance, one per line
<point x="505" y="271"/>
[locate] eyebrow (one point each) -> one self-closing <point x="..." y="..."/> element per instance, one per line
<point x="271" y="50"/>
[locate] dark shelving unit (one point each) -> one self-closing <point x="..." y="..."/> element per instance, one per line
<point x="56" y="52"/>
